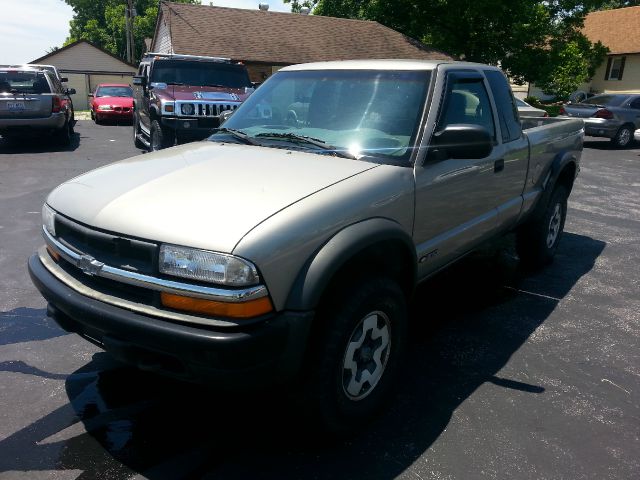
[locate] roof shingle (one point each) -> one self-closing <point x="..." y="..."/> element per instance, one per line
<point x="617" y="29"/>
<point x="284" y="38"/>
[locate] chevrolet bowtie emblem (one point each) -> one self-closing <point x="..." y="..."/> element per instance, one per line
<point x="89" y="265"/>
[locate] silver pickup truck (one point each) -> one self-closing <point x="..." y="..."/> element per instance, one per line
<point x="288" y="245"/>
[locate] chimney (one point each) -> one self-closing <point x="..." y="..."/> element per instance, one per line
<point x="263" y="6"/>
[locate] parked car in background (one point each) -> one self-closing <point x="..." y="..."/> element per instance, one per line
<point x="50" y="68"/>
<point x="614" y="116"/>
<point x="34" y="101"/>
<point x="112" y="101"/>
<point x="636" y="136"/>
<point x="179" y="98"/>
<point x="526" y="110"/>
<point x="579" y="96"/>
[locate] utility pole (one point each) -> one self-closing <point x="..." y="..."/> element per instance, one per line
<point x="129" y="14"/>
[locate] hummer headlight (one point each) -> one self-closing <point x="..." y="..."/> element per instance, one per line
<point x="49" y="219"/>
<point x="207" y="266"/>
<point x="187" y="108"/>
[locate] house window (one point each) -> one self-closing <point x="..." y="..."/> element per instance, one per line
<point x="615" y="68"/>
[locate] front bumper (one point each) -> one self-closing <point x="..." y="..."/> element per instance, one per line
<point x="194" y="128"/>
<point x="114" y="114"/>
<point x="258" y="355"/>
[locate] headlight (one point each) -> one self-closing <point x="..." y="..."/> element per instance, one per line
<point x="187" y="109"/>
<point x="105" y="107"/>
<point x="49" y="219"/>
<point x="207" y="266"/>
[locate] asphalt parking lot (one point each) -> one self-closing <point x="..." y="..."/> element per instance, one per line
<point x="510" y="374"/>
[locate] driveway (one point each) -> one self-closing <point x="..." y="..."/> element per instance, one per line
<point x="510" y="374"/>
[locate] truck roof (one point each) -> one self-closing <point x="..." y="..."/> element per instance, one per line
<point x="382" y="64"/>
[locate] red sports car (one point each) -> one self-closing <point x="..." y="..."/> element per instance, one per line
<point x="112" y="101"/>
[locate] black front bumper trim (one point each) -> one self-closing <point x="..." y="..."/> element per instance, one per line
<point x="256" y="356"/>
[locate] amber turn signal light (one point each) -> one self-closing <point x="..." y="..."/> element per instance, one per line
<point x="53" y="254"/>
<point x="249" y="309"/>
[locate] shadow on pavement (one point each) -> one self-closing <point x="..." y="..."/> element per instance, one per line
<point x="37" y="144"/>
<point x="469" y="321"/>
<point x="26" y="325"/>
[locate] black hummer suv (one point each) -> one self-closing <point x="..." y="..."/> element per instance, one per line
<point x="179" y="98"/>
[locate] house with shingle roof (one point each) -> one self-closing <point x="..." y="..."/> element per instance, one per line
<point x="267" y="41"/>
<point x="619" y="30"/>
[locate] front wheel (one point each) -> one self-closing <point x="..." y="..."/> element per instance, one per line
<point x="160" y="137"/>
<point x="357" y="354"/>
<point x="623" y="138"/>
<point x="537" y="240"/>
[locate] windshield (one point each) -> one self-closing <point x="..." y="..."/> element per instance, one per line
<point x="609" y="100"/>
<point x="200" y="74"/>
<point x="114" y="92"/>
<point x="23" y="82"/>
<point x="362" y="112"/>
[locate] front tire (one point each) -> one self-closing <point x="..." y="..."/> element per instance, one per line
<point x="160" y="137"/>
<point x="537" y="240"/>
<point x="623" y="138"/>
<point x="355" y="362"/>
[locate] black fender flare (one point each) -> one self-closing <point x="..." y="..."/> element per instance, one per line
<point x="154" y="112"/>
<point x="316" y="274"/>
<point x="560" y="162"/>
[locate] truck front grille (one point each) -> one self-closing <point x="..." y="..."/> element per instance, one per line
<point x="205" y="109"/>
<point x="115" y="250"/>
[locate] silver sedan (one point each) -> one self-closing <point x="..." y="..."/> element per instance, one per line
<point x="526" y="110"/>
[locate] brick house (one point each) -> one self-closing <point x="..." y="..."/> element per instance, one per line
<point x="266" y="41"/>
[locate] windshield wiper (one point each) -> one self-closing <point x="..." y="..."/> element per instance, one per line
<point x="311" y="141"/>
<point x="237" y="134"/>
<point x="173" y="83"/>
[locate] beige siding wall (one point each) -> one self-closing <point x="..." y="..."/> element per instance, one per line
<point x="163" y="40"/>
<point x="79" y="82"/>
<point x="86" y="57"/>
<point x="630" y="82"/>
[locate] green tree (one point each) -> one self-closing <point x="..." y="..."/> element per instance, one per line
<point x="102" y="22"/>
<point x="530" y="39"/>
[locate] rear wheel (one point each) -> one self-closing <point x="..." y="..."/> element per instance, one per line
<point x="63" y="136"/>
<point x="537" y="240"/>
<point x="357" y="355"/>
<point x="624" y="137"/>
<point x="160" y="137"/>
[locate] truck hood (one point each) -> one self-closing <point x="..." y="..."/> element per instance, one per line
<point x="205" y="195"/>
<point x="185" y="92"/>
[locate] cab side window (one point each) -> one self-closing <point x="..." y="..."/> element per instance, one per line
<point x="466" y="101"/>
<point x="506" y="105"/>
<point x="635" y="104"/>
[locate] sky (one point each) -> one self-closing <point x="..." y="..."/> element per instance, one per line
<point x="28" y="28"/>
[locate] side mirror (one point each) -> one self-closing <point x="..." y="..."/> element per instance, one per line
<point x="71" y="91"/>
<point x="140" y="80"/>
<point x="64" y="79"/>
<point x="462" y="141"/>
<point x="224" y="116"/>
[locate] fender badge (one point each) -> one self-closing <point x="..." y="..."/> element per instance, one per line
<point x="89" y="265"/>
